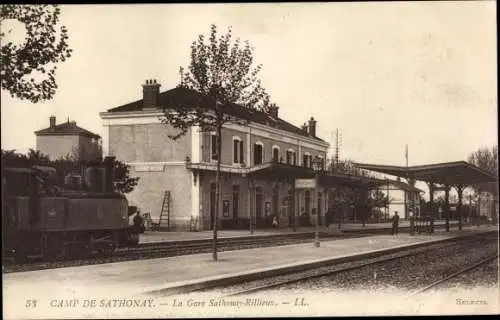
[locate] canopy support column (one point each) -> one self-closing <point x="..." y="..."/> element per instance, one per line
<point x="431" y="198"/>
<point x="460" y="189"/>
<point x="447" y="206"/>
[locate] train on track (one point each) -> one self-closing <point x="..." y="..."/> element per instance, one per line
<point x="84" y="216"/>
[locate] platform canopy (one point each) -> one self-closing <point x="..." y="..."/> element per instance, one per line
<point x="326" y="179"/>
<point x="449" y="173"/>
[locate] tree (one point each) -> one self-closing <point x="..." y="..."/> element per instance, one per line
<point x="222" y="73"/>
<point x="28" y="69"/>
<point x="487" y="160"/>
<point x="354" y="200"/>
<point x="346" y="167"/>
<point x="123" y="182"/>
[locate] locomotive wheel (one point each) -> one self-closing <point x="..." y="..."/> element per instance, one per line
<point x="53" y="247"/>
<point x="106" y="248"/>
<point x="134" y="238"/>
<point x="20" y="256"/>
<point x="76" y="251"/>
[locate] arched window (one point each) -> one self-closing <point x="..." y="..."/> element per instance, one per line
<point x="276" y="153"/>
<point x="258" y="153"/>
<point x="306" y="160"/>
<point x="290" y="157"/>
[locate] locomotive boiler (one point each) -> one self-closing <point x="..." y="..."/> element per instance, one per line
<point x="43" y="219"/>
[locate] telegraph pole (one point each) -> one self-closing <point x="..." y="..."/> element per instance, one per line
<point x="338" y="145"/>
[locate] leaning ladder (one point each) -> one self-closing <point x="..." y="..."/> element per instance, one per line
<point x="165" y="210"/>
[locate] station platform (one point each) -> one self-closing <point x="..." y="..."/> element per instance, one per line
<point x="157" y="278"/>
<point x="167" y="236"/>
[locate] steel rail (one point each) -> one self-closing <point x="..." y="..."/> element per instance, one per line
<point x="455" y="274"/>
<point x="390" y="257"/>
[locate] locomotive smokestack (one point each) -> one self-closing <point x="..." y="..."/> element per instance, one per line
<point x="109" y="165"/>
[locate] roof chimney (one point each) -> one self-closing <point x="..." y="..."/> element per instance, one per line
<point x="312" y="127"/>
<point x="150" y="94"/>
<point x="304" y="128"/>
<point x="273" y="110"/>
<point x="52" y="121"/>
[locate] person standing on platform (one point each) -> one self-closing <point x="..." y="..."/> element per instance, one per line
<point x="395" y="223"/>
<point x="328" y="217"/>
<point x="275" y="222"/>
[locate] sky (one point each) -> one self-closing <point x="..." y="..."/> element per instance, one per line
<point x="385" y="74"/>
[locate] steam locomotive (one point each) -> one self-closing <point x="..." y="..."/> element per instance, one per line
<point x="43" y="219"/>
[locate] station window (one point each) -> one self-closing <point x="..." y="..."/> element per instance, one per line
<point x="213" y="147"/>
<point x="290" y="157"/>
<point x="258" y="153"/>
<point x="276" y="154"/>
<point x="306" y="160"/>
<point x="238" y="156"/>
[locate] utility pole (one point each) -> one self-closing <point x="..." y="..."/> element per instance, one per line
<point x="338" y="146"/>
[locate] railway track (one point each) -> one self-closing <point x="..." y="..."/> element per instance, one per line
<point x="176" y="248"/>
<point x="260" y="286"/>
<point x="469" y="268"/>
<point x="203" y="244"/>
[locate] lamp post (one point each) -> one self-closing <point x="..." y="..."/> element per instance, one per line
<point x="478" y="207"/>
<point x="316" y="165"/>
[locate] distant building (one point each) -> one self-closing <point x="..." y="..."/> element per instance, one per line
<point x="67" y="139"/>
<point x="401" y="194"/>
<point x="487" y="206"/>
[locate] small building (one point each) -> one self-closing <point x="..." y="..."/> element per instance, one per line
<point x="402" y="195"/>
<point x="68" y="140"/>
<point x="488" y="207"/>
<point x="186" y="168"/>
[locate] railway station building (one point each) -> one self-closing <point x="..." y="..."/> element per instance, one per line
<point x="260" y="163"/>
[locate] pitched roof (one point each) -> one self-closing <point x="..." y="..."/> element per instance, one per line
<point x="448" y="173"/>
<point x="183" y="97"/>
<point x="404" y="186"/>
<point x="66" y="128"/>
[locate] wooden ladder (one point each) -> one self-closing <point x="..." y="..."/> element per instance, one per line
<point x="165" y="210"/>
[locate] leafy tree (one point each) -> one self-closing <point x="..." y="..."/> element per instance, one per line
<point x="355" y="201"/>
<point x="378" y="199"/>
<point x="28" y="69"/>
<point x="222" y="73"/>
<point x="347" y="167"/>
<point x="487" y="160"/>
<point x="123" y="182"/>
<point x="86" y="152"/>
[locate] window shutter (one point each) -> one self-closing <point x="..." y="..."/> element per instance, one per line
<point x="235" y="151"/>
<point x="241" y="152"/>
